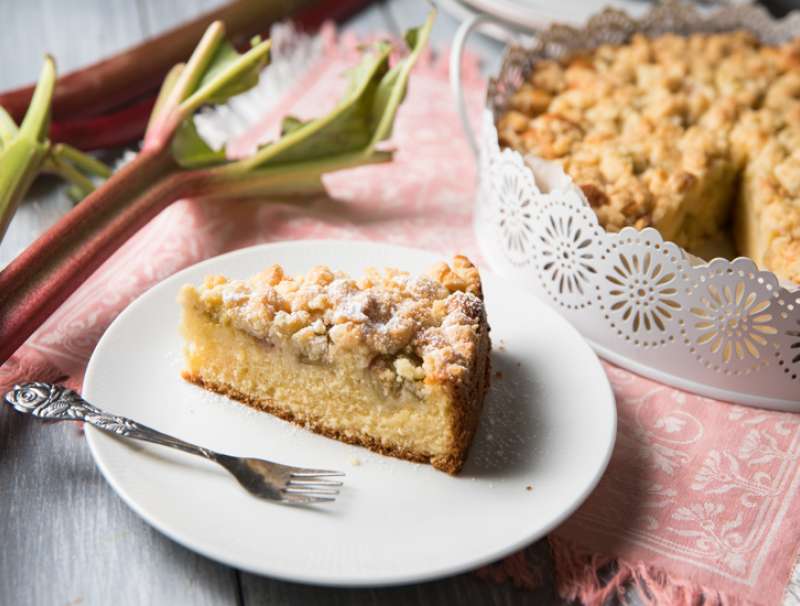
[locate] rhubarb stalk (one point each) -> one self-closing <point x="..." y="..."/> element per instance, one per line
<point x="25" y="151"/>
<point x="176" y="163"/>
<point x="107" y="104"/>
<point x="139" y="70"/>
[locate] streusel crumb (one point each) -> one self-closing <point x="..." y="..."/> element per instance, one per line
<point x="428" y="325"/>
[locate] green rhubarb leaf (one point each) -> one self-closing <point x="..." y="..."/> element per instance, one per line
<point x="360" y="121"/>
<point x="190" y="150"/>
<point x="213" y="74"/>
<point x="392" y="88"/>
<point x="345" y="129"/>
<point x="291" y="124"/>
<point x="24" y="149"/>
<point x="227" y="77"/>
<point x="228" y="73"/>
<point x="346" y="137"/>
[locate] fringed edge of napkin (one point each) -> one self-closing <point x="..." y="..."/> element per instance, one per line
<point x="591" y="578"/>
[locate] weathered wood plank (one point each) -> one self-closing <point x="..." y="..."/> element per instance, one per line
<point x="75" y="33"/>
<point x="462" y="589"/>
<point x="66" y="537"/>
<point x="158" y="16"/>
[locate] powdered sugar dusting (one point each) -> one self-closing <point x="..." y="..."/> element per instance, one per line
<point x="321" y="314"/>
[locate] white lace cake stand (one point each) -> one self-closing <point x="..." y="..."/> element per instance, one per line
<point x="723" y="329"/>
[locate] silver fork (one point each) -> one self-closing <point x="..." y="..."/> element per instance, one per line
<point x="264" y="479"/>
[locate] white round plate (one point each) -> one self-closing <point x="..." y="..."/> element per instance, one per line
<point x="545" y="438"/>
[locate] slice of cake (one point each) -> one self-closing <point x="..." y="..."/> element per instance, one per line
<point x="395" y="363"/>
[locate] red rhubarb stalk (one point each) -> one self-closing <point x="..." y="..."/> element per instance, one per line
<point x="116" y="129"/>
<point x="139" y="70"/>
<point x="107" y="104"/>
<point x="39" y="279"/>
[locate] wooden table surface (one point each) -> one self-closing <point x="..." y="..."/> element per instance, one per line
<point x="65" y="537"/>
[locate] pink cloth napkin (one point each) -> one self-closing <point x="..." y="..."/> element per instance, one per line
<point x="701" y="498"/>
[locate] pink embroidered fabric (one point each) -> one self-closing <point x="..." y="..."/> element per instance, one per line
<point x="700" y="499"/>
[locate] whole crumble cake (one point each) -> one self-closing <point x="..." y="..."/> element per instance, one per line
<point x="696" y="136"/>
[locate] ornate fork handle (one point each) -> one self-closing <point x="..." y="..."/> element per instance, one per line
<point x="57" y="403"/>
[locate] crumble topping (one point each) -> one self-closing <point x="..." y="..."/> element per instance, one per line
<point x="407" y="330"/>
<point x="642" y="126"/>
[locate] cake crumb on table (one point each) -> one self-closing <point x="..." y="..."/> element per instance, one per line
<point x="529" y="488"/>
<point x="355" y="462"/>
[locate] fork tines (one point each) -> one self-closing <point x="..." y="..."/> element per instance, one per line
<point x="300" y="472"/>
<point x="311" y="486"/>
